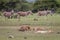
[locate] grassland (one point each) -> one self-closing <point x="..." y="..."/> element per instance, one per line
<point x="52" y="22"/>
<point x="5" y="32"/>
<point x="29" y="20"/>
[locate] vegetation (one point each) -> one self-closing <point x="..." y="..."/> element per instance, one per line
<point x="5" y="32"/>
<point x="29" y="20"/>
<point x="10" y="26"/>
<point x="24" y="5"/>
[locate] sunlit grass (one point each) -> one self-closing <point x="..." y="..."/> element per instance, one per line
<point x="29" y="20"/>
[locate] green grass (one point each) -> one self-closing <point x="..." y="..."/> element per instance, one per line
<point x="53" y="22"/>
<point x="42" y="21"/>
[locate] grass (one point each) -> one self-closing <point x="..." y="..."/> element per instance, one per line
<point x="29" y="20"/>
<point x="52" y="22"/>
<point x="4" y="35"/>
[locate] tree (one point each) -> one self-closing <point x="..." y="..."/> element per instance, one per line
<point x="22" y="5"/>
<point x="14" y="4"/>
<point x="58" y="3"/>
<point x="44" y="4"/>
